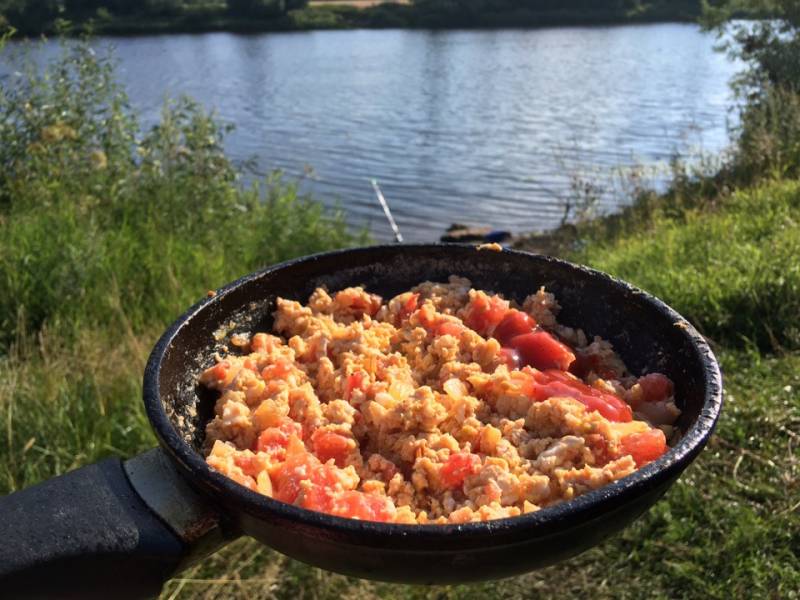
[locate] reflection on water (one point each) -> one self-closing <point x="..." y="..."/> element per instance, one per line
<point x="481" y="127"/>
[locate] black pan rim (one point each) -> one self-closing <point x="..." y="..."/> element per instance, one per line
<point x="228" y="493"/>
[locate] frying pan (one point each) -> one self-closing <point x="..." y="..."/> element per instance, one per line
<point x="117" y="528"/>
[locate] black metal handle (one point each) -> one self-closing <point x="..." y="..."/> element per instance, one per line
<point x="109" y="530"/>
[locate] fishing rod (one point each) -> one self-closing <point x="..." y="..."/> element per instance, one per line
<point x="397" y="235"/>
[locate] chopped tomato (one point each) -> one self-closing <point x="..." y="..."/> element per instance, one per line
<point x="298" y="467"/>
<point x="409" y="306"/>
<point x="541" y="350"/>
<point x="369" y="305"/>
<point x="316" y="497"/>
<point x="553" y="383"/>
<point x="644" y="447"/>
<point x="656" y="387"/>
<point x="510" y="357"/>
<point x="355" y="381"/>
<point x="250" y="465"/>
<point x="513" y="324"/>
<point x="328" y="444"/>
<point x="278" y="370"/>
<point x="611" y="407"/>
<point x="358" y="505"/>
<point x="351" y="504"/>
<point x="220" y="370"/>
<point x="449" y="328"/>
<point x="458" y="467"/>
<point x="484" y="313"/>
<point x="301" y="465"/>
<point x="426" y="317"/>
<point x="274" y="440"/>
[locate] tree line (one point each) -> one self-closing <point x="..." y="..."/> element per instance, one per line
<point x="37" y="16"/>
<point x="34" y="16"/>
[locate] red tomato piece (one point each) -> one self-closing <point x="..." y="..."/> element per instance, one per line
<point x="220" y="370"/>
<point x="316" y="497"/>
<point x="541" y="350"/>
<point x="274" y="440"/>
<point x="351" y="504"/>
<point x="458" y="467"/>
<point x="644" y="447"/>
<point x="358" y="505"/>
<point x="368" y="305"/>
<point x="510" y="358"/>
<point x="656" y="387"/>
<point x="409" y="306"/>
<point x="449" y="328"/>
<point x="551" y="383"/>
<point x="329" y="445"/>
<point x="248" y="464"/>
<point x="611" y="407"/>
<point x="278" y="370"/>
<point x="298" y="467"/>
<point x="356" y="381"/>
<point x="484" y="313"/>
<point x="426" y="317"/>
<point x="513" y="324"/>
<point x="328" y="476"/>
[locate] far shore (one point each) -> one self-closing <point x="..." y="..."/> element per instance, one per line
<point x="353" y="14"/>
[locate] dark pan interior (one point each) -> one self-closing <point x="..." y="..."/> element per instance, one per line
<point x="646" y="333"/>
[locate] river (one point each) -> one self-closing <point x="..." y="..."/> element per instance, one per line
<point x="481" y="127"/>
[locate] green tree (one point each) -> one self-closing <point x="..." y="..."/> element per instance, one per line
<point x="769" y="88"/>
<point x="31" y="16"/>
<point x="263" y="8"/>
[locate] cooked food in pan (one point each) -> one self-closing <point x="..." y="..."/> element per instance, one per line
<point x="445" y="404"/>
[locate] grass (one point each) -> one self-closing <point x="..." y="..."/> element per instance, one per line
<point x="108" y="232"/>
<point x="731" y="269"/>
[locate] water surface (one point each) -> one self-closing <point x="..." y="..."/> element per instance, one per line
<point x="483" y="127"/>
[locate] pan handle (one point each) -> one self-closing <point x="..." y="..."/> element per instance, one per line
<point x="108" y="530"/>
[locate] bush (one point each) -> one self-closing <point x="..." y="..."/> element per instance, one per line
<point x="98" y="219"/>
<point x="768" y="140"/>
<point x="769" y="136"/>
<point x="263" y="8"/>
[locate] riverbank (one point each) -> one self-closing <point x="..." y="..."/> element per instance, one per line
<point x="357" y="14"/>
